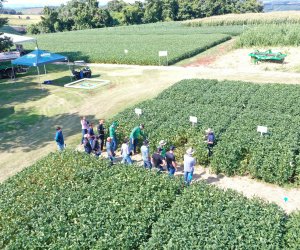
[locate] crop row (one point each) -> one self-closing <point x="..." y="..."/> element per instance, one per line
<point x="73" y="201"/>
<point x="142" y="43"/>
<point x="233" y="110"/>
<point x="284" y="17"/>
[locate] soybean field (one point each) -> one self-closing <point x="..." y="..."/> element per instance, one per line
<point x="233" y="110"/>
<point x="72" y="200"/>
<point x="137" y="44"/>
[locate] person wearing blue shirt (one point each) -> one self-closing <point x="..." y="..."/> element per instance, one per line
<point x="59" y="138"/>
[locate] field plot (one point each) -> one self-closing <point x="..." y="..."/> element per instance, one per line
<point x="280" y="17"/>
<point x="233" y="110"/>
<point x="21" y="20"/>
<point x="136" y="44"/>
<point x="72" y="200"/>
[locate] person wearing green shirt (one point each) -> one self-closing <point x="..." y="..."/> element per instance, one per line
<point x="135" y="133"/>
<point x="113" y="135"/>
<point x="162" y="145"/>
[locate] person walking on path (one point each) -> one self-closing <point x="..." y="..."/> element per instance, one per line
<point x="162" y="145"/>
<point x="146" y="154"/>
<point x="125" y="153"/>
<point x="189" y="165"/>
<point x="59" y="138"/>
<point x="171" y="162"/>
<point x="210" y="139"/>
<point x="101" y="132"/>
<point x="158" y="161"/>
<point x="135" y="133"/>
<point x="109" y="150"/>
<point x="113" y="135"/>
<point x="84" y="127"/>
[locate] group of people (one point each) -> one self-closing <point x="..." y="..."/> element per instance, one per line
<point x="162" y="159"/>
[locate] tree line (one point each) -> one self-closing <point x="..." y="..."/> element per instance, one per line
<point x="87" y="14"/>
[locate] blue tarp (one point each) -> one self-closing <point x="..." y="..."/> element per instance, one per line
<point x="39" y="57"/>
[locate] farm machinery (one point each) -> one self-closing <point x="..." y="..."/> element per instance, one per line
<point x="268" y="56"/>
<point x="83" y="72"/>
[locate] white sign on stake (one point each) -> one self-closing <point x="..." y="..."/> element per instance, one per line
<point x="125" y="51"/>
<point x="163" y="53"/>
<point x="193" y="120"/>
<point x="138" y="111"/>
<point x="262" y="130"/>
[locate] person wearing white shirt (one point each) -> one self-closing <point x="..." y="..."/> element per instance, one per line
<point x="125" y="153"/>
<point x="189" y="165"/>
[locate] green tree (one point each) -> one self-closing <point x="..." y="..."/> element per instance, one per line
<point x="153" y="11"/>
<point x="133" y="13"/>
<point x="5" y="42"/>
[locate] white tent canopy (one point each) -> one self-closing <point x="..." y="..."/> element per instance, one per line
<point x="18" y="39"/>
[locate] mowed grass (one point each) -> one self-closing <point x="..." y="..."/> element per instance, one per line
<point x="142" y="42"/>
<point x="14" y="20"/>
<point x="280" y="17"/>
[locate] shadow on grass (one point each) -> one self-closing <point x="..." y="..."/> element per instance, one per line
<point x="41" y="133"/>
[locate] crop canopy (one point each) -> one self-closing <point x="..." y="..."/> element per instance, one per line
<point x="39" y="57"/>
<point x="18" y="39"/>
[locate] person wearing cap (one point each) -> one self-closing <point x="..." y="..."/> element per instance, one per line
<point x="189" y="165"/>
<point x="171" y="162"/>
<point x="125" y="153"/>
<point x="113" y="135"/>
<point x="135" y="133"/>
<point x="157" y="160"/>
<point x="210" y="139"/>
<point x="146" y="154"/>
<point x="59" y="138"/>
<point x="101" y="132"/>
<point x="109" y="150"/>
<point x="162" y="145"/>
<point x="87" y="144"/>
<point x="84" y="127"/>
<point x="96" y="146"/>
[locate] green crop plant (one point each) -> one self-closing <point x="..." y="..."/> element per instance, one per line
<point x="233" y="110"/>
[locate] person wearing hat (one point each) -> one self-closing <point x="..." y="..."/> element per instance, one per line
<point x="157" y="160"/>
<point x="146" y="154"/>
<point x="162" y="145"/>
<point x="125" y="152"/>
<point x="135" y="133"/>
<point x="109" y="150"/>
<point x="113" y="135"/>
<point x="189" y="165"/>
<point x="59" y="138"/>
<point x="171" y="162"/>
<point x="210" y="139"/>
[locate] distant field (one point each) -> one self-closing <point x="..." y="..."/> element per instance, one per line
<point x="142" y="42"/>
<point x="14" y="20"/>
<point x="280" y="17"/>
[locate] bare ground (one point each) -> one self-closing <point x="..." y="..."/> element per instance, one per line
<point x="131" y="84"/>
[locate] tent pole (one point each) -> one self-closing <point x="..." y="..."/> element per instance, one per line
<point x="38" y="70"/>
<point x="70" y="70"/>
<point x="45" y="69"/>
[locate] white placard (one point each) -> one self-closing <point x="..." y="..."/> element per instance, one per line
<point x="163" y="53"/>
<point x="138" y="111"/>
<point x="262" y="129"/>
<point x="193" y="119"/>
<point x="126" y="51"/>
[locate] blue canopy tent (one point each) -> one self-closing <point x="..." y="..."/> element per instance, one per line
<point x="37" y="58"/>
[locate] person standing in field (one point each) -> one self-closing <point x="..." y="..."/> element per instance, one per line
<point x="135" y="133"/>
<point x="109" y="150"/>
<point x="146" y="154"/>
<point x="113" y="135"/>
<point x="210" y="139"/>
<point x="125" y="153"/>
<point x="84" y="127"/>
<point x="157" y="160"/>
<point x="189" y="165"/>
<point x="59" y="138"/>
<point x="101" y="132"/>
<point x="162" y="145"/>
<point x="91" y="132"/>
<point x="171" y="162"/>
<point x="86" y="143"/>
<point x="96" y="146"/>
